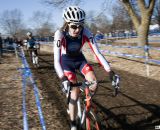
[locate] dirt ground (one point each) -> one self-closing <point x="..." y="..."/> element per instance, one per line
<point x="137" y="107"/>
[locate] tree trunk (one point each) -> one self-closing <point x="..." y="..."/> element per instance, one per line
<point x="142" y="35"/>
<point x="143" y="29"/>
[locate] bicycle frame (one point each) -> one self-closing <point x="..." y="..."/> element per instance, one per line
<point x="84" y="112"/>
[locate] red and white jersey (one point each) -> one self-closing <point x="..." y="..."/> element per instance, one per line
<point x="61" y="47"/>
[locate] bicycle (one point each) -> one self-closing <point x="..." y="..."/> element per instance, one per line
<point x="34" y="56"/>
<point x="115" y="85"/>
<point x="86" y="115"/>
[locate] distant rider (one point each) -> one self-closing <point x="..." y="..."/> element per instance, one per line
<point x="32" y="45"/>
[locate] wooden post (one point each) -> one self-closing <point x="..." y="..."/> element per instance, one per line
<point x="146" y="50"/>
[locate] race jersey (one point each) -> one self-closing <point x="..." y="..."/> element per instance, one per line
<point x="65" y="45"/>
<point x="31" y="42"/>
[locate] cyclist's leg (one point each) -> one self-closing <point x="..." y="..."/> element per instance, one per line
<point x="33" y="57"/>
<point x="73" y="98"/>
<point x="91" y="119"/>
<point x="31" y="54"/>
<point x="88" y="72"/>
<point x="36" y="57"/>
<point x="69" y="71"/>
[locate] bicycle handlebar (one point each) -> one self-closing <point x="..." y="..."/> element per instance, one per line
<point x="82" y="86"/>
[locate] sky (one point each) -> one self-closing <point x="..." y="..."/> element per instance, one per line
<point x="29" y="6"/>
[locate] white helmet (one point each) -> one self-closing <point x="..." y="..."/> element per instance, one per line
<point x="29" y="34"/>
<point x="74" y="14"/>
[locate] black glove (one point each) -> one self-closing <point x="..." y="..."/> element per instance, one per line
<point x="115" y="79"/>
<point x="65" y="84"/>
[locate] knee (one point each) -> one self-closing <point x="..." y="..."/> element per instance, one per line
<point x="93" y="85"/>
<point x="74" y="96"/>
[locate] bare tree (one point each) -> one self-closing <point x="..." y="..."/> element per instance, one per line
<point x="45" y="30"/>
<point x="99" y="22"/>
<point x="42" y="23"/>
<point x="62" y="3"/>
<point x="103" y="24"/>
<point x="11" y="21"/>
<point x="156" y="13"/>
<point x="40" y="18"/>
<point x="121" y="19"/>
<point x="141" y="23"/>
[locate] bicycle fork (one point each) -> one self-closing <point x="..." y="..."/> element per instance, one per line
<point x="87" y="107"/>
<point x="82" y="115"/>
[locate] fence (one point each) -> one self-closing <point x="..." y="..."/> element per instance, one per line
<point x="145" y="57"/>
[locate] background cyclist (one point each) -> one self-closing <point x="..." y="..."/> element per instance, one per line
<point x="68" y="57"/>
<point x="32" y="45"/>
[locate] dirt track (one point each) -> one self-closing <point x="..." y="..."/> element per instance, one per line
<point x="137" y="107"/>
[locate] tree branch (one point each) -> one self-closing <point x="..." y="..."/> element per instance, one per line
<point x="131" y="12"/>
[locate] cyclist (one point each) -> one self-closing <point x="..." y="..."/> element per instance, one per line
<point x="68" y="57"/>
<point x="32" y="46"/>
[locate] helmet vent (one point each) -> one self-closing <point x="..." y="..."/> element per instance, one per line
<point x="73" y="14"/>
<point x="68" y="15"/>
<point x="77" y="15"/>
<point x="81" y="14"/>
<point x="70" y="8"/>
<point x="65" y="16"/>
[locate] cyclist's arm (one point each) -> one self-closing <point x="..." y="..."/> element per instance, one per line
<point x="57" y="53"/>
<point x="94" y="47"/>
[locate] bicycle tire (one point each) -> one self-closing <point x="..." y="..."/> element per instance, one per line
<point x="35" y="59"/>
<point x="116" y="91"/>
<point x="92" y="121"/>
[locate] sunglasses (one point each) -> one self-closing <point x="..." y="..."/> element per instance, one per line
<point x="76" y="26"/>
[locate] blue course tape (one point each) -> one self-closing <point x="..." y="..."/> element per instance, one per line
<point x="27" y="73"/>
<point x="131" y="56"/>
<point x="134" y="47"/>
<point x="25" y="119"/>
<point x="154" y="61"/>
<point x="123" y="54"/>
<point x="146" y="49"/>
<point x="38" y="103"/>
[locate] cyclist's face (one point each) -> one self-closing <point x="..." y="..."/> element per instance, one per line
<point x="75" y="29"/>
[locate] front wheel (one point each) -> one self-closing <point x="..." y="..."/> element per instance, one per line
<point x="92" y="121"/>
<point x="116" y="90"/>
<point x="35" y="59"/>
